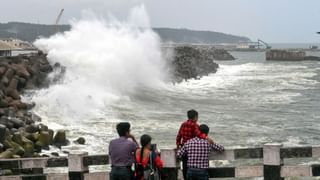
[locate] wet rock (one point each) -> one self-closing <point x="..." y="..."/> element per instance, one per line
<point x="80" y="140"/>
<point x="55" y="154"/>
<point x="3" y="69"/>
<point x="312" y="58"/>
<point x="16" y="156"/>
<point x="43" y="127"/>
<point x="45" y="155"/>
<point x="13" y="130"/>
<point x="11" y="112"/>
<point x="32" y="136"/>
<point x="17" y="104"/>
<point x="28" y="120"/>
<point x="35" y="117"/>
<point x="60" y="139"/>
<point x="51" y="133"/>
<point x="32" y="128"/>
<point x="44" y="140"/>
<point x="189" y="63"/>
<point x="17" y="123"/>
<point x="7" y="154"/>
<point x="29" y="148"/>
<point x="215" y="54"/>
<point x="17" y="148"/>
<point x="21" y="70"/>
<point x="12" y="89"/>
<point x="3" y="103"/>
<point x="8" y="76"/>
<point x="66" y="152"/>
<point x="2" y="133"/>
<point x="17" y="138"/>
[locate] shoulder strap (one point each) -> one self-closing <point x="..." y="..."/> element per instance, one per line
<point x="151" y="160"/>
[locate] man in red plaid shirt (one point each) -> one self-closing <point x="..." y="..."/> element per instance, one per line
<point x="188" y="130"/>
<point x="197" y="150"/>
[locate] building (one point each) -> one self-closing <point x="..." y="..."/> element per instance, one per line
<point x="17" y="43"/>
<point x="249" y="45"/>
<point x="5" y="49"/>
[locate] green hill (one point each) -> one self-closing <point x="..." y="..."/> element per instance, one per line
<point x="29" y="32"/>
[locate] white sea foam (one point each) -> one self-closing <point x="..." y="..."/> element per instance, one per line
<point x="105" y="60"/>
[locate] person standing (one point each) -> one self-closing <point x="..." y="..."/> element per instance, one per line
<point x="121" y="151"/>
<point x="197" y="150"/>
<point x="148" y="162"/>
<point x="188" y="130"/>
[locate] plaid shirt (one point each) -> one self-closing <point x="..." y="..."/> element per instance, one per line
<point x="198" y="151"/>
<point x="188" y="130"/>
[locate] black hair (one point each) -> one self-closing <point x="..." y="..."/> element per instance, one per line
<point x="123" y="128"/>
<point x="192" y="114"/>
<point x="144" y="141"/>
<point x="204" y="129"/>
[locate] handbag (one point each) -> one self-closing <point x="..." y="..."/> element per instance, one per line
<point x="151" y="173"/>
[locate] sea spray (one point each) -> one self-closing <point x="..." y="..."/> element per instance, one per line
<point x="105" y="61"/>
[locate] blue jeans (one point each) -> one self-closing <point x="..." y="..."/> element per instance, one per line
<point x="121" y="173"/>
<point x="197" y="174"/>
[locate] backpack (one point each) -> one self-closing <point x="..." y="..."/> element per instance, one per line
<point x="149" y="172"/>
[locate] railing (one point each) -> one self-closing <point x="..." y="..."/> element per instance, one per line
<point x="271" y="168"/>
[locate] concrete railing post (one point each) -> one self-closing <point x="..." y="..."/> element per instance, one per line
<point x="272" y="161"/>
<point x="171" y="166"/>
<point x="76" y="167"/>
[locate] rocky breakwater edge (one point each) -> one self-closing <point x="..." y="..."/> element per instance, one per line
<point x="194" y="62"/>
<point x="21" y="132"/>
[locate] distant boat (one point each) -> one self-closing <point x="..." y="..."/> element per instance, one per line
<point x="318" y="32"/>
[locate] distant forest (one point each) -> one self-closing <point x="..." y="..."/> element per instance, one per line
<point x="30" y="32"/>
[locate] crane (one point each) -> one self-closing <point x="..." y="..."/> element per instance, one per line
<point x="58" y="19"/>
<point x="264" y="43"/>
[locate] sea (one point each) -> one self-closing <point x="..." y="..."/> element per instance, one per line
<point x="248" y="102"/>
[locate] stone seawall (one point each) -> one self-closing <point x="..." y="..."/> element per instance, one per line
<point x="289" y="55"/>
<point x="21" y="133"/>
<point x="285" y="55"/>
<point x="192" y="62"/>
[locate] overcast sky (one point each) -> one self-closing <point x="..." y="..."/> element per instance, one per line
<point x="270" y="20"/>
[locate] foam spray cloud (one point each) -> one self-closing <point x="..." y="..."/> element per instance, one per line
<point x="104" y="60"/>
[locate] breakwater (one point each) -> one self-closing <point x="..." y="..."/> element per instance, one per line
<point x="289" y="55"/>
<point x="193" y="62"/>
<point x="21" y="131"/>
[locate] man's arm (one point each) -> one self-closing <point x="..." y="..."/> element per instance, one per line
<point x="110" y="145"/>
<point x="216" y="147"/>
<point x="133" y="139"/>
<point x="178" y="139"/>
<point x="182" y="152"/>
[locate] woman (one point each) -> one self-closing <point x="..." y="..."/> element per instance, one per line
<point x="147" y="160"/>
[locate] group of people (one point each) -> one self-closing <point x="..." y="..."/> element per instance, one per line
<point x="193" y="148"/>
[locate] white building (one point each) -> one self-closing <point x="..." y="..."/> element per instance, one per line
<point x="5" y="49"/>
<point x="17" y="43"/>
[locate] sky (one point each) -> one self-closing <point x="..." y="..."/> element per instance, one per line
<point x="274" y="21"/>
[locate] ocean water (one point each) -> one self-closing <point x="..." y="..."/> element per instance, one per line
<point x="248" y="102"/>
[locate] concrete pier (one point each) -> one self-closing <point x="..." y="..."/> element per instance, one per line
<point x="285" y="55"/>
